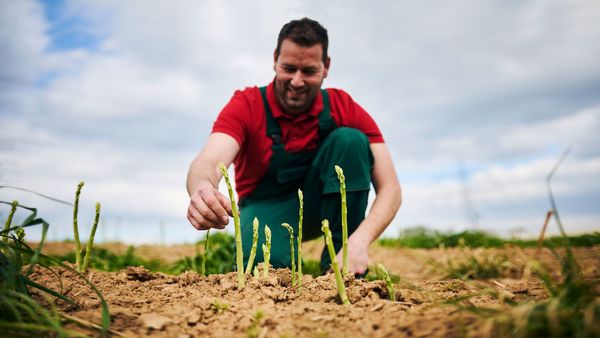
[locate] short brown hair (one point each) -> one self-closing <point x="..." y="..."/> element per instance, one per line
<point x="305" y="32"/>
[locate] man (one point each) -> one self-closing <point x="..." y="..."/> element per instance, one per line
<point x="288" y="136"/>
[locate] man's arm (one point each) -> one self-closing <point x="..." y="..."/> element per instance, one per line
<point x="387" y="201"/>
<point x="209" y="208"/>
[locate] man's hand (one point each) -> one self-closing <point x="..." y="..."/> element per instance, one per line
<point x="358" y="255"/>
<point x="208" y="208"/>
<point x="384" y="208"/>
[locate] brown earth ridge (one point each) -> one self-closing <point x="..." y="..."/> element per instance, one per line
<point x="143" y="303"/>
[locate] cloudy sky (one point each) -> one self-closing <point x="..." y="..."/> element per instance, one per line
<point x="477" y="100"/>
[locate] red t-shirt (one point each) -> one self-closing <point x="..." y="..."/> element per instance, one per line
<point x="244" y="119"/>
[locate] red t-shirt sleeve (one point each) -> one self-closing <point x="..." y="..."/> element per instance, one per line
<point x="347" y="113"/>
<point x="232" y="119"/>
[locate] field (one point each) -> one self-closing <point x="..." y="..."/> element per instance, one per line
<point x="431" y="301"/>
<point x="468" y="284"/>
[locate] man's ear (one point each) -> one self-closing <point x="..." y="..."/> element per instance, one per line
<point x="327" y="63"/>
<point x="275" y="56"/>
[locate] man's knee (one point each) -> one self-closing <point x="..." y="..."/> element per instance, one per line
<point x="348" y="138"/>
<point x="349" y="148"/>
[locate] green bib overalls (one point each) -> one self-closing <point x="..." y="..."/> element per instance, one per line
<point x="275" y="199"/>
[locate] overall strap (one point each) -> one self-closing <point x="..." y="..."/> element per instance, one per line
<point x="326" y="122"/>
<point x="273" y="129"/>
<point x="286" y="171"/>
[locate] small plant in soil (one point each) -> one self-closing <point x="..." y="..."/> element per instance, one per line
<point x="218" y="306"/>
<point x="342" y="179"/>
<point x="76" y="227"/>
<point x="215" y="258"/>
<point x="266" y="248"/>
<point x="239" y="254"/>
<point x="205" y="254"/>
<point x="254" y="245"/>
<point x="334" y="264"/>
<point x="300" y="218"/>
<point x="293" y="269"/>
<point x="255" y="329"/>
<point x="82" y="263"/>
<point x="382" y="271"/>
<point x="90" y="242"/>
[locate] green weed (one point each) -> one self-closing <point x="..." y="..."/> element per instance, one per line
<point x="20" y="315"/>
<point x="572" y="308"/>
<point x="255" y="329"/>
<point x="218" y="257"/>
<point x="218" y="306"/>
<point x="421" y="237"/>
<point x="311" y="267"/>
<point x="106" y="260"/>
<point x="478" y="263"/>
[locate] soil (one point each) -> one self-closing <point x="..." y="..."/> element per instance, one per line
<point x="143" y="303"/>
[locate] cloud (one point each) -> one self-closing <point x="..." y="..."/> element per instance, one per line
<point x="579" y="129"/>
<point x="121" y="87"/>
<point x="21" y="58"/>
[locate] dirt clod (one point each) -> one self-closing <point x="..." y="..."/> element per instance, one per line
<point x="154" y="321"/>
<point x="138" y="273"/>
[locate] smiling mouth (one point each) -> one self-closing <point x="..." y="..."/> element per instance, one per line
<point x="293" y="93"/>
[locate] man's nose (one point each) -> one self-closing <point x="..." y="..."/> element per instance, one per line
<point x="297" y="79"/>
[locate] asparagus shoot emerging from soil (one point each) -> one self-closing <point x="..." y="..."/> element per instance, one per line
<point x="340" y="174"/>
<point x="256" y="273"/>
<point x="291" y="231"/>
<point x="334" y="264"/>
<point x="13" y="209"/>
<point x="239" y="254"/>
<point x="382" y="271"/>
<point x="300" y="216"/>
<point x="254" y="244"/>
<point x="90" y="243"/>
<point x="204" y="253"/>
<point x="76" y="228"/>
<point x="266" y="247"/>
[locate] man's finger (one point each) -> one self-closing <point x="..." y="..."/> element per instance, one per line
<point x="203" y="222"/>
<point x="226" y="203"/>
<point x="218" y="207"/>
<point x="193" y="220"/>
<point x="205" y="210"/>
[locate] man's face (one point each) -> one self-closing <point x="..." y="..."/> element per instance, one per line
<point x="299" y="73"/>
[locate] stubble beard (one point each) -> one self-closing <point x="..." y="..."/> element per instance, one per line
<point x="293" y="106"/>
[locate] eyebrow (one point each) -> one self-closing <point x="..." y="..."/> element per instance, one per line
<point x="308" y="68"/>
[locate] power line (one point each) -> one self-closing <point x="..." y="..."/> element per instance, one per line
<point x="37" y="193"/>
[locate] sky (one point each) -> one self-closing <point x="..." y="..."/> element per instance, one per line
<point x="477" y="101"/>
